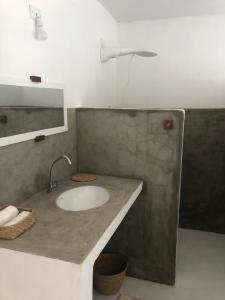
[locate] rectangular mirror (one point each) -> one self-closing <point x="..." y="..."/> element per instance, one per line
<point x="28" y="110"/>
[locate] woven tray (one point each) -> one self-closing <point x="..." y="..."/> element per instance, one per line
<point x="13" y="231"/>
<point x="84" y="177"/>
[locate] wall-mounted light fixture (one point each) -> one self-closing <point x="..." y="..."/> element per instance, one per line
<point x="39" y="33"/>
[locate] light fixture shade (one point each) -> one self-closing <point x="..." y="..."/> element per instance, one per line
<point x="36" y="15"/>
<point x="39" y="32"/>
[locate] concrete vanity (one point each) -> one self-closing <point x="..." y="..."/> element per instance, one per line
<point x="54" y="259"/>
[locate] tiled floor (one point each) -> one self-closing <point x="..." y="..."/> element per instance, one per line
<point x="200" y="272"/>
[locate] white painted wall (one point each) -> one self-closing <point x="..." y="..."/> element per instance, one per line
<point x="69" y="56"/>
<point x="190" y="68"/>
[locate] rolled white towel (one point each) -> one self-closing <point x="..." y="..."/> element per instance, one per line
<point x="8" y="214"/>
<point x="18" y="218"/>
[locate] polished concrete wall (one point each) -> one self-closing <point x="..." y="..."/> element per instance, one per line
<point x="203" y="178"/>
<point x="24" y="167"/>
<point x="134" y="144"/>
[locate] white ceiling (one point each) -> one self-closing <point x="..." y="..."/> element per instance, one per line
<point x="133" y="10"/>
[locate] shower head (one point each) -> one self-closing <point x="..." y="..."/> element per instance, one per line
<point x="108" y="53"/>
<point x="145" y="53"/>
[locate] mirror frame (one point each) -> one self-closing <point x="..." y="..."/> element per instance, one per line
<point x="14" y="139"/>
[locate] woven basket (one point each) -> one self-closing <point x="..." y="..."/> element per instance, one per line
<point x="13" y="231"/>
<point x="109" y="273"/>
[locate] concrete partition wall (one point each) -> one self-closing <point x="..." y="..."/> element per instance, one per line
<point x="203" y="178"/>
<point x="135" y="144"/>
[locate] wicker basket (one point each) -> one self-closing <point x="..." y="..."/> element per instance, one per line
<point x="109" y="273"/>
<point x="13" y="231"/>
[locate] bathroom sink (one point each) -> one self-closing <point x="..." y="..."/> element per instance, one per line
<point x="83" y="198"/>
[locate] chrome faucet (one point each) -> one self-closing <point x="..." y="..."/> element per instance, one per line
<point x="52" y="184"/>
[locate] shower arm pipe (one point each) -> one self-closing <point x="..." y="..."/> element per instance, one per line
<point x="108" y="53"/>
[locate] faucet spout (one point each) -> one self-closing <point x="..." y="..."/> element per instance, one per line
<point x="52" y="183"/>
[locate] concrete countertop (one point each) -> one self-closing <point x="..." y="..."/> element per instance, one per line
<point x="70" y="236"/>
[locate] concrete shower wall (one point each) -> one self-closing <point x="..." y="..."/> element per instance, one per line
<point x="203" y="178"/>
<point x="24" y="167"/>
<point x="134" y="144"/>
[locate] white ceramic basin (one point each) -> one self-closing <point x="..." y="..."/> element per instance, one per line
<point x="83" y="198"/>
